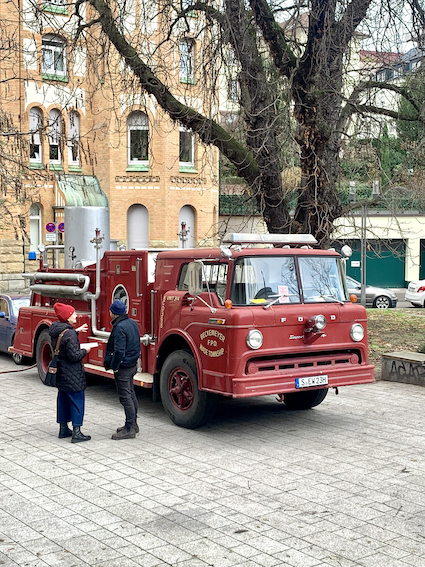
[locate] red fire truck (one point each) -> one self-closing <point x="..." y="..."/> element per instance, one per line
<point x="246" y="319"/>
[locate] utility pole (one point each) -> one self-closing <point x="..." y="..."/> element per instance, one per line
<point x="363" y="235"/>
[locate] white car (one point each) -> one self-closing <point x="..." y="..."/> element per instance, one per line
<point x="416" y="293"/>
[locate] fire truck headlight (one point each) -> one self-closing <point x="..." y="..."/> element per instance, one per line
<point x="320" y="322"/>
<point x="254" y="339"/>
<point x="357" y="332"/>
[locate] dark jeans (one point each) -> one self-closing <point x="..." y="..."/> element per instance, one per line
<point x="70" y="407"/>
<point x="125" y="388"/>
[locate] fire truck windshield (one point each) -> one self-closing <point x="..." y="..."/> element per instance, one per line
<point x="263" y="280"/>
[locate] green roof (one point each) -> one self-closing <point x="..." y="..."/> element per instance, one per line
<point x="82" y="191"/>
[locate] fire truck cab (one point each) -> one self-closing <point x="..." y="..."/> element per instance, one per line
<point x="243" y="320"/>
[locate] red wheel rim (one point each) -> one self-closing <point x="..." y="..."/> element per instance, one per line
<point x="180" y="388"/>
<point x="45" y="355"/>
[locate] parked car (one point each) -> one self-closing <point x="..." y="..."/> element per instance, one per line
<point x="416" y="293"/>
<point x="9" y="309"/>
<point x="378" y="297"/>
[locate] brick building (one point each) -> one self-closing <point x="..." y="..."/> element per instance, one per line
<point x="84" y="118"/>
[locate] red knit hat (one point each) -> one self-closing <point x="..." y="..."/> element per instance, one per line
<point x="63" y="312"/>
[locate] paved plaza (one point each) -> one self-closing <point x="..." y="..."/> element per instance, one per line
<point x="342" y="485"/>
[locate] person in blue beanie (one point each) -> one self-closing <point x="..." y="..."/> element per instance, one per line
<point x="122" y="352"/>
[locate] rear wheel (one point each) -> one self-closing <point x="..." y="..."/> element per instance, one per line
<point x="305" y="400"/>
<point x="382" y="302"/>
<point x="43" y="353"/>
<point x="183" y="402"/>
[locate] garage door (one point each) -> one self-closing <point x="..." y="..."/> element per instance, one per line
<point x="385" y="262"/>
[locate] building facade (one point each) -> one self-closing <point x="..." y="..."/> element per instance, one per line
<point x="82" y="116"/>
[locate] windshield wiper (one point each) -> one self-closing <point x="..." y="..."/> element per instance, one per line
<point x="277" y="299"/>
<point x="331" y="297"/>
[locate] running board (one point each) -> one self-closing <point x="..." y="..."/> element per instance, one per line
<point x="143" y="379"/>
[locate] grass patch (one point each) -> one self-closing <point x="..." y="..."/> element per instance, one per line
<point x="394" y="329"/>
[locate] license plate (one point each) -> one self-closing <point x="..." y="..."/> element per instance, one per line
<point x="412" y="287"/>
<point x="310" y="381"/>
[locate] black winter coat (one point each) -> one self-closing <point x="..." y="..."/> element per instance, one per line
<point x="123" y="348"/>
<point x="70" y="376"/>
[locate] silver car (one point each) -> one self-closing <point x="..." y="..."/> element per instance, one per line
<point x="378" y="297"/>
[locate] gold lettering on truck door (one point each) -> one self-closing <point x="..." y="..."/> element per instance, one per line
<point x="212" y="339"/>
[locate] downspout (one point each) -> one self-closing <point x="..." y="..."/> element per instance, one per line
<point x="94" y="296"/>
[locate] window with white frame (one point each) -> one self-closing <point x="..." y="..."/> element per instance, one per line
<point x="186" y="148"/>
<point x="35" y="227"/>
<point x="36" y="124"/>
<point x="73" y="138"/>
<point x="54" y="56"/>
<point x="54" y="136"/>
<point x="187" y="60"/>
<point x="138" y="139"/>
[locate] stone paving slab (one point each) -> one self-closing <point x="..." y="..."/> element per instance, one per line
<point x="342" y="485"/>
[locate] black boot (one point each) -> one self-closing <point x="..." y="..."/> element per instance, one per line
<point x="136" y="427"/>
<point x="64" y="431"/>
<point x="125" y="433"/>
<point x="77" y="436"/>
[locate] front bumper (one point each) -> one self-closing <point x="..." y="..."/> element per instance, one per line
<point x="415" y="298"/>
<point x="261" y="376"/>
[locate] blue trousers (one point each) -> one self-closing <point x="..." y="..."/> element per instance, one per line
<point x="70" y="406"/>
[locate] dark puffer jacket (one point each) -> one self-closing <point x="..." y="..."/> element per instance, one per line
<point x="123" y="348"/>
<point x="70" y="376"/>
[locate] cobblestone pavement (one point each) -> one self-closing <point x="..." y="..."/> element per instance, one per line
<point x="342" y="485"/>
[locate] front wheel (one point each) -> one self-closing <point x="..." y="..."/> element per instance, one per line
<point x="382" y="302"/>
<point x="18" y="358"/>
<point x="184" y="403"/>
<point x="43" y="353"/>
<point x="305" y="400"/>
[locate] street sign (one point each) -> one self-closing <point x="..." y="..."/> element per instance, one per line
<point x="50" y="237"/>
<point x="61" y="227"/>
<point x="51" y="227"/>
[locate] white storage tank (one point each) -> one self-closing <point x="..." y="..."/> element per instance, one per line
<point x="86" y="209"/>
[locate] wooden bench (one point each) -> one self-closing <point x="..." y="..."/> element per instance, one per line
<point x="404" y="366"/>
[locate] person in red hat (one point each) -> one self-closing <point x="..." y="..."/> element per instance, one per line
<point x="70" y="377"/>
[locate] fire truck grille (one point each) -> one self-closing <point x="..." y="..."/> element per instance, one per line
<point x="293" y="362"/>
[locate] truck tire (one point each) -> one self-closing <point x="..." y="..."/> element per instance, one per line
<point x="43" y="353"/>
<point x="305" y="400"/>
<point x="183" y="402"/>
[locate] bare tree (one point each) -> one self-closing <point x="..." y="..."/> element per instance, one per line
<point x="298" y="83"/>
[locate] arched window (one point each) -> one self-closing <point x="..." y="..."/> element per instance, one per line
<point x="53" y="56"/>
<point x="73" y="138"/>
<point x="54" y="136"/>
<point x="36" y="124"/>
<point x="138" y="139"/>
<point x="137" y="227"/>
<point x="35" y="227"/>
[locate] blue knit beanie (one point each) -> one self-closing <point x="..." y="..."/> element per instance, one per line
<point x="118" y="308"/>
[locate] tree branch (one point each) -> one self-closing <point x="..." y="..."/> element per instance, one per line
<point x="207" y="129"/>
<point x="273" y="34"/>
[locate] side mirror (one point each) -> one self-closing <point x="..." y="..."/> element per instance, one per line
<point x="194" y="277"/>
<point x="2" y="314"/>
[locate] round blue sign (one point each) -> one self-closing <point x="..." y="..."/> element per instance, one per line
<point x="50" y="227"/>
<point x="61" y="227"/>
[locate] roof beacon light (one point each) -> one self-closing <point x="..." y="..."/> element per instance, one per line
<point x="248" y="238"/>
